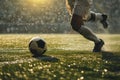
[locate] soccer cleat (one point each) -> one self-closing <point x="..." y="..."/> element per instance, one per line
<point x="104" y="21"/>
<point x="98" y="46"/>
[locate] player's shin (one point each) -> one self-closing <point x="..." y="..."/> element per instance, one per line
<point x="88" y="34"/>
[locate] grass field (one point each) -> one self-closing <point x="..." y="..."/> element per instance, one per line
<point x="68" y="57"/>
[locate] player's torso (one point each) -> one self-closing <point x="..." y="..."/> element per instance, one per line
<point x="80" y="7"/>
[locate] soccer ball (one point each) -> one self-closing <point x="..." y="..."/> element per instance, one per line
<point x="37" y="46"/>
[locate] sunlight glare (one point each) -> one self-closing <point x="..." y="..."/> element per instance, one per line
<point x="38" y="1"/>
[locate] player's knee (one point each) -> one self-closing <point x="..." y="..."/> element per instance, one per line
<point x="76" y="22"/>
<point x="75" y="26"/>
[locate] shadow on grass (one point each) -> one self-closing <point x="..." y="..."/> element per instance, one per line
<point x="47" y="58"/>
<point x="113" y="61"/>
<point x="111" y="56"/>
<point x="112" y="64"/>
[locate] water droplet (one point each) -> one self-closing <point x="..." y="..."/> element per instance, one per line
<point x="68" y="65"/>
<point x="81" y="78"/>
<point x="54" y="75"/>
<point x="105" y="70"/>
<point x="82" y="71"/>
<point x="106" y="61"/>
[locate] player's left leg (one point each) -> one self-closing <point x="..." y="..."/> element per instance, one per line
<point x="98" y="17"/>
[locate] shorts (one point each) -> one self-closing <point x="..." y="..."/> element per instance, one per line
<point x="79" y="7"/>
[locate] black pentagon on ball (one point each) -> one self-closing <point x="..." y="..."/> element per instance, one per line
<point x="41" y="43"/>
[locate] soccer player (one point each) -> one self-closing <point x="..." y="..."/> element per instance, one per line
<point x="80" y="12"/>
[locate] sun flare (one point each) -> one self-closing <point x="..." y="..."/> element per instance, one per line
<point x="39" y="1"/>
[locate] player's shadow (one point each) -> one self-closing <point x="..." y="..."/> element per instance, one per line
<point x="111" y="56"/>
<point x="112" y="60"/>
<point x="47" y="58"/>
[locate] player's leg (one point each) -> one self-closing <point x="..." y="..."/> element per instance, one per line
<point x="99" y="17"/>
<point x="78" y="25"/>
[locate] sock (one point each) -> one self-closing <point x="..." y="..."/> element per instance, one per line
<point x="98" y="17"/>
<point x="95" y="16"/>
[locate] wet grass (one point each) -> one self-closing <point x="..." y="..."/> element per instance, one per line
<point x="69" y="57"/>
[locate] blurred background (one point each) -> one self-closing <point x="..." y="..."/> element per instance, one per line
<point x="51" y="16"/>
